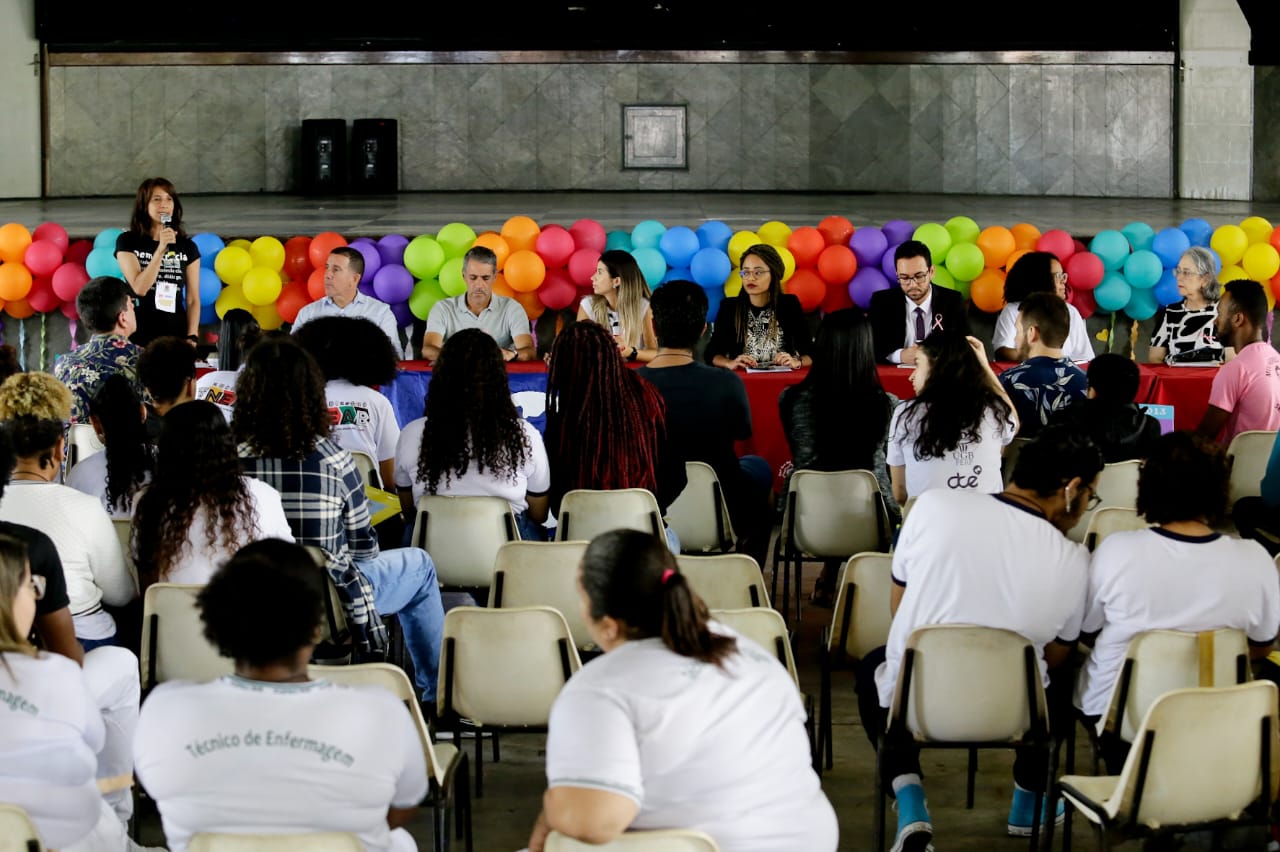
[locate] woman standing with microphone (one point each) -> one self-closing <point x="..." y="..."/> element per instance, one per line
<point x="161" y="264"/>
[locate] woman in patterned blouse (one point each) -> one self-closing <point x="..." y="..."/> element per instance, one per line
<point x="1184" y="331"/>
<point x="761" y="326"/>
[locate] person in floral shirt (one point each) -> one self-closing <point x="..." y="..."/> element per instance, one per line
<point x="105" y="305"/>
<point x="1046" y="382"/>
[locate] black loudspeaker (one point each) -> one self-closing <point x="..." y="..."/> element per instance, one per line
<point x="375" y="157"/>
<point x="324" y="156"/>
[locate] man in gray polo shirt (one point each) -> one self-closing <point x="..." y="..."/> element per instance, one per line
<point x="502" y="318"/>
<point x="342" y="297"/>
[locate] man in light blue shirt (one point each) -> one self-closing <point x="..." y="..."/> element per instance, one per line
<point x="342" y="296"/>
<point x="501" y="318"/>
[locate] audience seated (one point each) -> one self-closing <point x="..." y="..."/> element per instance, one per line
<point x="472" y="441"/>
<point x="33" y="408"/>
<point x="282" y="422"/>
<point x="967" y="559"/>
<point x="114" y="475"/>
<point x="680" y="724"/>
<point x="1178" y="575"/>
<point x="356" y="357"/>
<point x="105" y="306"/>
<point x="606" y="426"/>
<point x="168" y="370"/>
<point x="198" y="509"/>
<point x="1046" y="382"/>
<point x="239" y="331"/>
<point x="952" y="433"/>
<point x="761" y="326"/>
<point x="707" y="411"/>
<point x="1108" y="415"/>
<point x="1037" y="272"/>
<point x="268" y="750"/>
<point x="902" y="318"/>
<point x="1245" y="394"/>
<point x="1185" y="331"/>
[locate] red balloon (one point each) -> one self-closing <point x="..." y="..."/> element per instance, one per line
<point x="69" y="310"/>
<point x="68" y="279"/>
<point x="1084" y="270"/>
<point x="588" y="234"/>
<point x="805" y="244"/>
<point x="582" y="265"/>
<point x="836" y="230"/>
<point x="297" y="257"/>
<point x="293" y="298"/>
<point x="837" y="265"/>
<point x="315" y="285"/>
<point x="557" y="291"/>
<point x="42" y="258"/>
<point x="806" y="286"/>
<point x="1058" y="243"/>
<point x="78" y="252"/>
<point x="322" y="245"/>
<point x="1078" y="246"/>
<point x="42" y="298"/>
<point x="54" y="233"/>
<point x="554" y="245"/>
<point x="837" y="298"/>
<point x="1084" y="302"/>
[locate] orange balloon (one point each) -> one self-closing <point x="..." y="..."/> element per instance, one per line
<point x="293" y="298"/>
<point x="521" y="233"/>
<point x="837" y="299"/>
<point x="14" y="239"/>
<point x="836" y="230"/>
<point x="495" y="243"/>
<point x="532" y="305"/>
<point x="805" y="244"/>
<point x="1026" y="236"/>
<point x="807" y="286"/>
<point x="1014" y="258"/>
<point x="315" y="284"/>
<point x="322" y="245"/>
<point x="997" y="243"/>
<point x="987" y="291"/>
<point x="524" y="271"/>
<point x="15" y="281"/>
<point x="501" y="287"/>
<point x="19" y="309"/>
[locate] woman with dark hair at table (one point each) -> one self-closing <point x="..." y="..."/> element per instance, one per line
<point x="162" y="265"/>
<point x="117" y="473"/>
<point x="952" y="434"/>
<point x="606" y="426"/>
<point x="761" y="326"/>
<point x="1037" y="272"/>
<point x="471" y="441"/>
<point x="240" y="330"/>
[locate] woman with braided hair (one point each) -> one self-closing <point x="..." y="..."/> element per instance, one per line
<point x="471" y="441"/>
<point x="606" y="426"/>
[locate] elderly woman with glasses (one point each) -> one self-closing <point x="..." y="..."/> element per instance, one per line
<point x="1184" y="330"/>
<point x="1037" y="272"/>
<point x="761" y="326"/>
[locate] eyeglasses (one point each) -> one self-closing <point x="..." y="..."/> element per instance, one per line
<point x="1060" y="277"/>
<point x="919" y="278"/>
<point x="38" y="584"/>
<point x="753" y="273"/>
<point x="1182" y="272"/>
<point x="1095" y="500"/>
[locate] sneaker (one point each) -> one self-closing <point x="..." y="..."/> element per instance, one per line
<point x="1022" y="812"/>
<point x="915" y="832"/>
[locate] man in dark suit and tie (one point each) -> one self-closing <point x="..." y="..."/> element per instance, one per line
<point x="901" y="318"/>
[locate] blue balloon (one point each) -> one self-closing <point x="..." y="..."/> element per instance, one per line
<point x="107" y="239"/>
<point x="714" y="234"/>
<point x="1139" y="235"/>
<point x="210" y="286"/>
<point x="1142" y="305"/>
<point x="1142" y="270"/>
<point x="208" y="314"/>
<point x="102" y="261"/>
<point x="680" y="274"/>
<point x="209" y="246"/>
<point x="1114" y="292"/>
<point x="646" y="234"/>
<point x="715" y="295"/>
<point x="1169" y="246"/>
<point x="1112" y="248"/>
<point x="678" y="245"/>
<point x="1166" y="289"/>
<point x="652" y="264"/>
<point x="710" y="267"/>
<point x="617" y="241"/>
<point x="1198" y="231"/>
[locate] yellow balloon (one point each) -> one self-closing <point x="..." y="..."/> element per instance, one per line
<point x="1231" y="272"/>
<point x="1261" y="262"/>
<point x="268" y="252"/>
<point x="231" y="297"/>
<point x="241" y="243"/>
<point x="733" y="284"/>
<point x="775" y="233"/>
<point x="1257" y="229"/>
<point x="232" y="263"/>
<point x="740" y="242"/>
<point x="267" y="316"/>
<point x="1229" y="241"/>
<point x="261" y="286"/>
<point x="788" y="263"/>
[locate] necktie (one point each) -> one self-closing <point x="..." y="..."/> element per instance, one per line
<point x="919" y="324"/>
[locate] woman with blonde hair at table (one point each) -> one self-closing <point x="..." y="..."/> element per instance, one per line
<point x="619" y="301"/>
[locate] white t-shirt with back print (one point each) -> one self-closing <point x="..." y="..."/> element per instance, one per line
<point x="362" y="419"/>
<point x="972" y="466"/>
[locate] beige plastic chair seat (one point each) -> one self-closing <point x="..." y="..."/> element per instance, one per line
<point x="368" y="467"/>
<point x="1112" y="519"/>
<point x="319" y="842"/>
<point x="17" y="831"/>
<point x="1249" y="453"/>
<point x="1094" y="788"/>
<point x="671" y="840"/>
<point x="699" y="515"/>
<point x="1117" y="486"/>
<point x="586" y="513"/>
<point x="173" y="642"/>
<point x="462" y="536"/>
<point x="542" y="573"/>
<point x="725" y="580"/>
<point x="82" y="442"/>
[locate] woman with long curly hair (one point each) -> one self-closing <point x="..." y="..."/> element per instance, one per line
<point x="606" y="426"/>
<point x="953" y="433"/>
<point x="471" y="441"/>
<point x="199" y="510"/>
<point x="1037" y="272"/>
<point x="619" y="301"/>
<point x="761" y="326"/>
<point x="161" y="263"/>
<point x="117" y="473"/>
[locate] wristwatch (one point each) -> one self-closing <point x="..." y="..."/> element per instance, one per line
<point x="635" y="354"/>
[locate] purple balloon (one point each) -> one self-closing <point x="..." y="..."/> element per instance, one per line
<point x="366" y="286"/>
<point x="898" y="231"/>
<point x="865" y="282"/>
<point x="403" y="314"/>
<point x="887" y="264"/>
<point x="393" y="284"/>
<point x="372" y="260"/>
<point x="391" y="248"/>
<point x="868" y="246"/>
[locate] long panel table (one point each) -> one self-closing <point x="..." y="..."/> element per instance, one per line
<point x="1184" y="388"/>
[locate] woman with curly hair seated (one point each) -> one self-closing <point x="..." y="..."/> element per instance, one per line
<point x="115" y="475"/>
<point x="471" y="441"/>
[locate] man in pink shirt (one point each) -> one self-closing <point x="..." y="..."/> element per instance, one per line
<point x="1246" y="392"/>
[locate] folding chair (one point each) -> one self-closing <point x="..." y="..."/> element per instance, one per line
<point x="585" y="513"/>
<point x="859" y="624"/>
<point x="501" y="670"/>
<point x="368" y="467"/>
<point x="124" y="532"/>
<point x="828" y="515"/>
<point x="82" y="442"/>
<point x="1112" y="519"/>
<point x="963" y="686"/>
<point x="320" y="842"/>
<point x="699" y="515"/>
<point x="336" y="645"/>
<point x="463" y="535"/>
<point x="542" y="573"/>
<point x="17" y="832"/>
<point x="1202" y="758"/>
<point x="173" y="643"/>
<point x="668" y="840"/>
<point x="725" y="580"/>
<point x="1010" y="458"/>
<point x="445" y="762"/>
<point x="1249" y="453"/>
<point x="1117" y="486"/>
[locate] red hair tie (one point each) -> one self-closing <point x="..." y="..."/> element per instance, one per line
<point x="666" y="575"/>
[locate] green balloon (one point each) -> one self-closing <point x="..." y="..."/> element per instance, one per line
<point x="936" y="238"/>
<point x="424" y="296"/>
<point x="943" y="278"/>
<point x="962" y="230"/>
<point x="423" y="256"/>
<point x="965" y="261"/>
<point x="451" y="277"/>
<point x="455" y="238"/>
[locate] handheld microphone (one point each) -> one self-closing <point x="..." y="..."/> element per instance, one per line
<point x="165" y="219"/>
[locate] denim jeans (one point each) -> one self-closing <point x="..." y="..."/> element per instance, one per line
<point x="404" y="585"/>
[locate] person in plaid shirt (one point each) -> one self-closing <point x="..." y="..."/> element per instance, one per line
<point x="282" y="423"/>
<point x="105" y="305"/>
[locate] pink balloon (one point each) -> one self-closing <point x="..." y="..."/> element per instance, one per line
<point x="557" y="291"/>
<point x="1084" y="271"/>
<point x="69" y="310"/>
<point x="54" y="233"/>
<point x="582" y="265"/>
<point x="67" y="281"/>
<point x="78" y="251"/>
<point x="588" y="234"/>
<point x="1058" y="243"/>
<point x="42" y="258"/>
<point x="41" y="297"/>
<point x="1083" y="300"/>
<point x="554" y="245"/>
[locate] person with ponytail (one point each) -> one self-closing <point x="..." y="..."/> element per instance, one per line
<point x="116" y="474"/>
<point x="681" y="723"/>
<point x="620" y="303"/>
<point x="240" y="330"/>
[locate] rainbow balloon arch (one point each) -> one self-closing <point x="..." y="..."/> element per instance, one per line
<point x="829" y="266"/>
